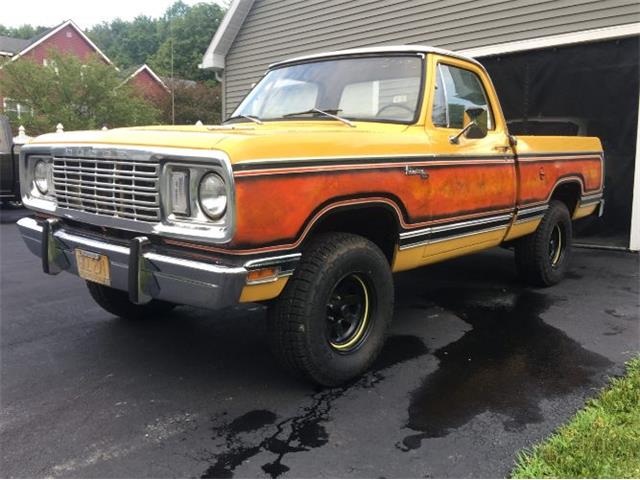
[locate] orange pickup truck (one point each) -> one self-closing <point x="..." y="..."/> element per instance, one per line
<point x="335" y="171"/>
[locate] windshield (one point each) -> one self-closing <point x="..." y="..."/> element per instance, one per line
<point x="380" y="88"/>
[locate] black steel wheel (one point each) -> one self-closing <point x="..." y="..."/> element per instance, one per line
<point x="542" y="258"/>
<point x="348" y="312"/>
<point x="330" y="322"/>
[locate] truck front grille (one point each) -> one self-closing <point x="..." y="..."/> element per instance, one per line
<point x="117" y="188"/>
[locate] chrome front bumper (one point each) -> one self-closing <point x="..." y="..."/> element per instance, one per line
<point x="137" y="268"/>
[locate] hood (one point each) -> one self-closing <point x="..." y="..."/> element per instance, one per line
<point x="242" y="142"/>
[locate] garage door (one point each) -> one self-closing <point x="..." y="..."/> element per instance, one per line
<point x="587" y="89"/>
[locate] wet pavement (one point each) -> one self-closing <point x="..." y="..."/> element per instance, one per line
<point x="477" y="367"/>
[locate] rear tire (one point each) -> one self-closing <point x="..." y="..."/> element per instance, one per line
<point x="542" y="258"/>
<point x="330" y="322"/>
<point x="117" y="303"/>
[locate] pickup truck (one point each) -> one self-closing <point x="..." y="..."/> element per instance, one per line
<point x="334" y="172"/>
<point x="9" y="185"/>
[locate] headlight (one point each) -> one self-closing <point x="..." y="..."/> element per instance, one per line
<point x="212" y="196"/>
<point x="42" y="176"/>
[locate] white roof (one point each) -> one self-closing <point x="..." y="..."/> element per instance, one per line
<point x="222" y="40"/>
<point x="376" y="50"/>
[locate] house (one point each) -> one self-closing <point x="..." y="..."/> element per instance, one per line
<point x="555" y="64"/>
<point x="145" y="80"/>
<point x="68" y="38"/>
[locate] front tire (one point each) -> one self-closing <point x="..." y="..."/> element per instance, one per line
<point x="542" y="258"/>
<point x="330" y="322"/>
<point x="117" y="303"/>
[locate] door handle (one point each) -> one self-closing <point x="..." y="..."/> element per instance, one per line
<point x="421" y="172"/>
<point x="502" y="148"/>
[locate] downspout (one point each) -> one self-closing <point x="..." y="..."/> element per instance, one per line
<point x="219" y="75"/>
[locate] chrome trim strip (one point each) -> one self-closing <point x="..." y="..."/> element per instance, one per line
<point x="91" y="243"/>
<point x="455" y="226"/>
<point x="526" y="211"/>
<point x="528" y="219"/>
<point x="272" y="261"/>
<point x="470" y="223"/>
<point x="29" y="223"/>
<point x="286" y="265"/>
<point x="192" y="264"/>
<point x="454" y="237"/>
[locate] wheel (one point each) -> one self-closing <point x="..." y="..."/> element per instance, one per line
<point x="542" y="258"/>
<point x="330" y="322"/>
<point x="117" y="302"/>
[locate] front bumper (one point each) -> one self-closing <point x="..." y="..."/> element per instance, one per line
<point x="137" y="268"/>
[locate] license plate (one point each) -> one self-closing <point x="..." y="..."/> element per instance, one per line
<point x="93" y="267"/>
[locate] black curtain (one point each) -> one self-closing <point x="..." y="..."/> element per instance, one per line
<point x="594" y="85"/>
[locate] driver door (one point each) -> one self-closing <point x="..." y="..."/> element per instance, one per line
<point x="472" y="180"/>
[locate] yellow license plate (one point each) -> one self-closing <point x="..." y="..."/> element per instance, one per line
<point x="93" y="267"/>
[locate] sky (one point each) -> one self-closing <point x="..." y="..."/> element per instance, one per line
<point x="85" y="13"/>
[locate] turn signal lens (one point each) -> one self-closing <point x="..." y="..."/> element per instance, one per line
<point x="263" y="274"/>
<point x="180" y="192"/>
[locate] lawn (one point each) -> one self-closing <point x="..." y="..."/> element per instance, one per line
<point x="601" y="441"/>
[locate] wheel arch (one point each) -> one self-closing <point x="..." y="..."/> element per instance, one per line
<point x="377" y="221"/>
<point x="569" y="192"/>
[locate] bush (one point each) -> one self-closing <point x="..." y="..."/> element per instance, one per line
<point x="80" y="94"/>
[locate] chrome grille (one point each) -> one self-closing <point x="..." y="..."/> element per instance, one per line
<point x="113" y="187"/>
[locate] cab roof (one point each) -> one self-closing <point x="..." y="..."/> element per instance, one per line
<point x="373" y="51"/>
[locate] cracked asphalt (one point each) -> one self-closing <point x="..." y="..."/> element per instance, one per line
<point x="477" y="367"/>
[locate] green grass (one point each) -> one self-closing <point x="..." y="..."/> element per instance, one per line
<point x="601" y="441"/>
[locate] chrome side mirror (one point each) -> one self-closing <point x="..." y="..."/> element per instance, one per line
<point x="475" y="121"/>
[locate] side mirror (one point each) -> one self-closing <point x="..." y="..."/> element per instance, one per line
<point x="478" y="119"/>
<point x="476" y="124"/>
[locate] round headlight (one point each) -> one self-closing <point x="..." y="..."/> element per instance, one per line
<point x="41" y="176"/>
<point x="212" y="195"/>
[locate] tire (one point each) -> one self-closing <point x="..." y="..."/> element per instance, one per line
<point x="330" y="322"/>
<point x="537" y="259"/>
<point x="117" y="303"/>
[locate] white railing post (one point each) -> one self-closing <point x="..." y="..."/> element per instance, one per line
<point x="59" y="128"/>
<point x="22" y="137"/>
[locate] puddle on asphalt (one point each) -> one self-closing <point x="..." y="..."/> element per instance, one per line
<point x="506" y="364"/>
<point x="304" y="431"/>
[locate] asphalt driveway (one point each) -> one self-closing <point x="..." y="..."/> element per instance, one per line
<point x="477" y="367"/>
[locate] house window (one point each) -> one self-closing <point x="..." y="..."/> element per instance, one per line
<point x="50" y="63"/>
<point x="13" y="108"/>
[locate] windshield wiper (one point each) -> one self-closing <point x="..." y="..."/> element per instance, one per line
<point x="253" y="118"/>
<point x="326" y="113"/>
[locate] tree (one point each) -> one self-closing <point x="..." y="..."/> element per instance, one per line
<point x="23" y="31"/>
<point x="127" y="43"/>
<point x="79" y="94"/>
<point x="193" y="101"/>
<point x="188" y="30"/>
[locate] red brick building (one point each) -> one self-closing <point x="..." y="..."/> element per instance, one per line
<point x="68" y="38"/>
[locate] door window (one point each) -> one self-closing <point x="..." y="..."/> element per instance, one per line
<point x="456" y="90"/>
